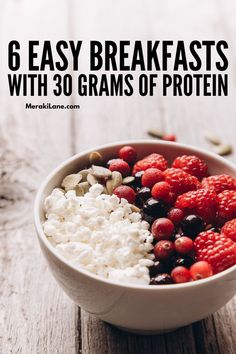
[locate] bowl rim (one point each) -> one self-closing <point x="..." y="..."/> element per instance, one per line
<point x="41" y="235"/>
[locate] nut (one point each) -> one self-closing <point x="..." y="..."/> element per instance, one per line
<point x="95" y="158"/>
<point x="85" y="173"/>
<point x="91" y="179"/>
<point x="100" y="172"/>
<point x="224" y="150"/>
<point x="82" y="188"/>
<point x="135" y="209"/>
<point x="115" y="181"/>
<point x="155" y="133"/>
<point x="71" y="181"/>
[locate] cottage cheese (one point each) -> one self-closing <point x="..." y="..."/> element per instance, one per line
<point x="99" y="233"/>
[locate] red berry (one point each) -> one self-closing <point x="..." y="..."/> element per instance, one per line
<point x="128" y="153"/>
<point x="216" y="249"/>
<point x="227" y="205"/>
<point x="200" y="270"/>
<point x="229" y="229"/>
<point x="169" y="137"/>
<point x="192" y="165"/>
<point x="184" y="245"/>
<point x="202" y="202"/>
<point x="151" y="176"/>
<point x="162" y="229"/>
<point x="219" y="183"/>
<point x="176" y="215"/>
<point x="161" y="190"/>
<point x="152" y="160"/>
<point x="180" y="181"/>
<point x="125" y="192"/>
<point x="180" y="275"/>
<point x="164" y="249"/>
<point x="120" y="166"/>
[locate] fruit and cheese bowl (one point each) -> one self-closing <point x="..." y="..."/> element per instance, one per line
<point x="142" y="234"/>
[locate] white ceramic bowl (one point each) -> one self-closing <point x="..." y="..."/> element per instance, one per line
<point x="141" y="309"/>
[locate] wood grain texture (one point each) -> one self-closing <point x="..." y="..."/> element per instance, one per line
<point x="35" y="315"/>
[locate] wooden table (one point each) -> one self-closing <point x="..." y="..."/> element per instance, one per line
<point x="35" y="315"/>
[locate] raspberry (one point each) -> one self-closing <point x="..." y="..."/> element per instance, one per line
<point x="200" y="270"/>
<point x="180" y="275"/>
<point x="153" y="160"/>
<point x="161" y="190"/>
<point x="120" y="166"/>
<point x="229" y="229"/>
<point x="162" y="229"/>
<point x="180" y="181"/>
<point x="227" y="205"/>
<point x="192" y="165"/>
<point x="216" y="249"/>
<point x="128" y="153"/>
<point x="184" y="245"/>
<point x="202" y="202"/>
<point x="125" y="192"/>
<point x="151" y="176"/>
<point x="219" y="183"/>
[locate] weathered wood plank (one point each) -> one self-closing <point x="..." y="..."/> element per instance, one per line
<point x="127" y="118"/>
<point x="35" y="315"/>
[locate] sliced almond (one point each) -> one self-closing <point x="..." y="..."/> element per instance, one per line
<point x="95" y="158"/>
<point x="115" y="181"/>
<point x="71" y="181"/>
<point x="154" y="133"/>
<point x="224" y="150"/>
<point x="91" y="179"/>
<point x="128" y="180"/>
<point x="82" y="188"/>
<point x="85" y="173"/>
<point x="212" y="138"/>
<point x="100" y="172"/>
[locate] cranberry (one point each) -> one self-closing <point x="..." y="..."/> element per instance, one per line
<point x="120" y="166"/>
<point x="164" y="249"/>
<point x="151" y="176"/>
<point x="125" y="192"/>
<point x="192" y="225"/>
<point x="200" y="270"/>
<point x="161" y="279"/>
<point x="128" y="154"/>
<point x="161" y="190"/>
<point x="169" y="137"/>
<point x="175" y="215"/>
<point x="184" y="245"/>
<point x="180" y="275"/>
<point x="162" y="229"/>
